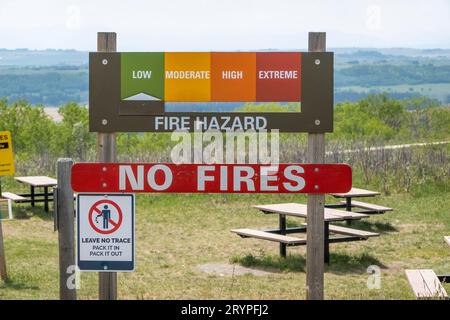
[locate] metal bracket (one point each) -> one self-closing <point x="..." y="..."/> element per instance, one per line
<point x="444" y="278"/>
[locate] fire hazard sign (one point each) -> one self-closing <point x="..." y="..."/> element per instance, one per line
<point x="105" y="232"/>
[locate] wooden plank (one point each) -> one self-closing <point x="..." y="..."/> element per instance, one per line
<point x="356" y="192"/>
<point x="106" y="152"/>
<point x="296" y="210"/>
<point x="447" y="239"/>
<point x="66" y="232"/>
<point x="417" y="284"/>
<point x="315" y="248"/>
<point x="268" y="236"/>
<point x="301" y="210"/>
<point x="434" y="285"/>
<point x="425" y="284"/>
<point x="369" y="206"/>
<point x="352" y="232"/>
<point x="12" y="196"/>
<point x="291" y="209"/>
<point x="344" y="215"/>
<point x="38" y="181"/>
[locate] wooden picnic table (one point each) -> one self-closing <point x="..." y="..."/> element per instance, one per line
<point x="38" y="182"/>
<point x="363" y="207"/>
<point x="300" y="210"/>
<point x="353" y="193"/>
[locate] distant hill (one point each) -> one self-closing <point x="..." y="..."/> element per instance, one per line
<point x="52" y="57"/>
<point x="26" y="57"/>
<point x="54" y="77"/>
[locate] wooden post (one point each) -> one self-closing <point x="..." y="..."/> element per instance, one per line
<point x="316" y="202"/>
<point x="66" y="223"/>
<point x="106" y="152"/>
<point x="3" y="273"/>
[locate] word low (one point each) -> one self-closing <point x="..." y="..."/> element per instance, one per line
<point x="217" y="178"/>
<point x="142" y="74"/>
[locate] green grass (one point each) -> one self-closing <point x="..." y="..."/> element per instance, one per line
<point x="176" y="233"/>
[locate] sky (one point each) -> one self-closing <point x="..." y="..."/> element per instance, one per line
<point x="214" y="25"/>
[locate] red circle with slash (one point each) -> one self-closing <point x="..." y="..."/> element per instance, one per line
<point x="116" y="224"/>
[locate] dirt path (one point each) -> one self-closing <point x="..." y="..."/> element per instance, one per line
<point x="392" y="147"/>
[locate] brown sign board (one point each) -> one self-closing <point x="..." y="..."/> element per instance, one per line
<point x="129" y="92"/>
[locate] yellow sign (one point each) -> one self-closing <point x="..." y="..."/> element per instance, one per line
<point x="188" y="76"/>
<point x="6" y="154"/>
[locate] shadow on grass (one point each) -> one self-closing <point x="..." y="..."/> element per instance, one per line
<point x="339" y="263"/>
<point x="379" y="227"/>
<point x="294" y="262"/>
<point x="293" y="224"/>
<point x="24" y="213"/>
<point x="16" y="285"/>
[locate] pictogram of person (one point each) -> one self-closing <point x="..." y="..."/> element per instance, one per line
<point x="106" y="215"/>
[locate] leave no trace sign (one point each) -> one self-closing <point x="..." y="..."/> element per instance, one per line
<point x="105" y="232"/>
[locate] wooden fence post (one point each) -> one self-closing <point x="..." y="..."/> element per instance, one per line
<point x="316" y="202"/>
<point x="66" y="233"/>
<point x="106" y="152"/>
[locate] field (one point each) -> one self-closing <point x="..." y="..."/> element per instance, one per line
<point x="176" y="234"/>
<point x="54" y="77"/>
<point x="439" y="91"/>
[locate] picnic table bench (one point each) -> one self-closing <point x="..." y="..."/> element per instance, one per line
<point x="34" y="182"/>
<point x="361" y="207"/>
<point x="282" y="235"/>
<point x="426" y="284"/>
<point x="12" y="196"/>
<point x="349" y="203"/>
